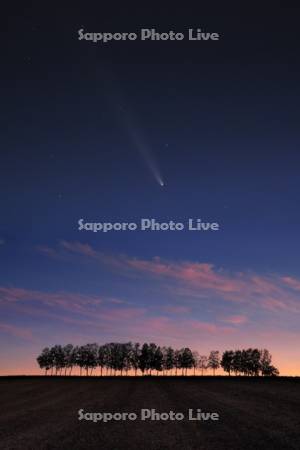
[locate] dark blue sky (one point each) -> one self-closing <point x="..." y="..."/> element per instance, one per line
<point x="221" y="120"/>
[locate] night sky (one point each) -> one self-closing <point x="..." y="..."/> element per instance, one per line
<point x="220" y="120"/>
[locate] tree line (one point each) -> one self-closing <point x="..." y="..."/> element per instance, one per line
<point x="115" y="357"/>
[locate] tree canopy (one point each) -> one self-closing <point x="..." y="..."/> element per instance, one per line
<point x="117" y="357"/>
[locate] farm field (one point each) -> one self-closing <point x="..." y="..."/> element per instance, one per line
<point x="254" y="413"/>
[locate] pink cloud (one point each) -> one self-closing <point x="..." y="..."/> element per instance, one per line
<point x="274" y="304"/>
<point x="92" y="312"/>
<point x="235" y="320"/>
<point x="173" y="330"/>
<point x="63" y="305"/>
<point x="201" y="279"/>
<point x="204" y="280"/>
<point x="120" y="314"/>
<point x="177" y="309"/>
<point x="77" y="247"/>
<point x="72" y="308"/>
<point x="292" y="283"/>
<point x="16" y="331"/>
<point x="69" y="301"/>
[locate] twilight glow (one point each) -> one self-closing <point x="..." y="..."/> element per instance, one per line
<point x="218" y="142"/>
<point x="166" y="301"/>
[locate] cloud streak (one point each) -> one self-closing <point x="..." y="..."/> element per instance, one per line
<point x="95" y="314"/>
<point x="200" y="280"/>
<point x="16" y="331"/>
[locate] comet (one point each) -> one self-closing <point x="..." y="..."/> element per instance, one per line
<point x="129" y="122"/>
<point x="146" y="154"/>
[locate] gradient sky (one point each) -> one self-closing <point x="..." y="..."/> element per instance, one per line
<point x="221" y="120"/>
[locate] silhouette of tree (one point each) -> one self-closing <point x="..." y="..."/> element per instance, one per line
<point x="123" y="356"/>
<point x="157" y="360"/>
<point x="265" y="364"/>
<point x="68" y="357"/>
<point x="102" y="357"/>
<point x="73" y="359"/>
<point x="203" y="363"/>
<point x="135" y="354"/>
<point x="250" y="362"/>
<point x="253" y="361"/>
<point x="270" y="371"/>
<point x="88" y="357"/>
<point x="186" y="359"/>
<point x="237" y="362"/>
<point x="214" y="360"/>
<point x="119" y="357"/>
<point x="177" y="360"/>
<point x="151" y="353"/>
<point x="169" y="359"/>
<point x="58" y="358"/>
<point x="227" y="361"/>
<point x="45" y="360"/>
<point x="144" y="363"/>
<point x="195" y="361"/>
